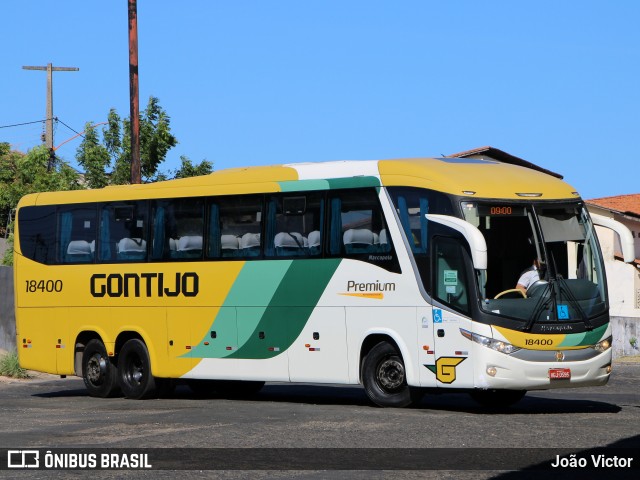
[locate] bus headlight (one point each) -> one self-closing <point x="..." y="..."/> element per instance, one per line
<point x="603" y="345"/>
<point x="493" y="344"/>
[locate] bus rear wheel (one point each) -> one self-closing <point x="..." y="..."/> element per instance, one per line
<point x="384" y="378"/>
<point x="134" y="370"/>
<point x="497" y="398"/>
<point x="100" y="375"/>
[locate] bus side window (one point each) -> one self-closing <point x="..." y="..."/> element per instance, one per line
<point x="358" y="228"/>
<point x="76" y="233"/>
<point x="294" y="225"/>
<point x="123" y="232"/>
<point x="238" y="231"/>
<point x="177" y="227"/>
<point x="37" y="227"/>
<point x="450" y="283"/>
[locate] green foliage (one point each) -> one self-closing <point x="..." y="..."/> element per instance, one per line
<point x="155" y="142"/>
<point x="21" y="174"/>
<point x="10" y="367"/>
<point x="188" y="169"/>
<point x="94" y="158"/>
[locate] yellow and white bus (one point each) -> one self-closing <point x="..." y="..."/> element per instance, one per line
<point x="395" y="274"/>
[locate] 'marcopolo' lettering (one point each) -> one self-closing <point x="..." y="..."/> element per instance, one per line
<point x="144" y="284"/>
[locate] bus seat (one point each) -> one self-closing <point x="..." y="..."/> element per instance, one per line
<point x="229" y="245"/>
<point x="250" y="245"/>
<point x="289" y="244"/>
<point x="358" y="240"/>
<point x="79" y="251"/>
<point x="132" y="249"/>
<point x="189" y="246"/>
<point x="383" y="241"/>
<point x="313" y="242"/>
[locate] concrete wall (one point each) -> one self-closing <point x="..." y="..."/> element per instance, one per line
<point x="625" y="329"/>
<point x="7" y="312"/>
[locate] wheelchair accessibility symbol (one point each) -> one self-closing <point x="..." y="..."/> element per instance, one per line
<point x="437" y="315"/>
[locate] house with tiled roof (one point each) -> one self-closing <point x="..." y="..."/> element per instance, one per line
<point x="624" y="279"/>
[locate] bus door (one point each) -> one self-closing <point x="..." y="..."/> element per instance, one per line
<point x="451" y="291"/>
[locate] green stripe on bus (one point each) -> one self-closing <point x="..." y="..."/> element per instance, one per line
<point x="584" y="339"/>
<point x="250" y="295"/>
<point x="329" y="184"/>
<point x="266" y="309"/>
<point x="291" y="306"/>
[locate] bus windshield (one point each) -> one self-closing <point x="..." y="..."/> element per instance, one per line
<point x="543" y="262"/>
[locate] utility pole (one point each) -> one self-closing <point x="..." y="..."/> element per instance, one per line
<point x="48" y="138"/>
<point x="133" y="92"/>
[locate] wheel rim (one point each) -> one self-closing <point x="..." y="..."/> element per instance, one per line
<point x="390" y="374"/>
<point x="96" y="369"/>
<point x="135" y="371"/>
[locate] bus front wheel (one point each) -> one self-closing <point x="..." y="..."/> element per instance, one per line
<point x="98" y="372"/>
<point x="384" y="378"/>
<point x="134" y="370"/>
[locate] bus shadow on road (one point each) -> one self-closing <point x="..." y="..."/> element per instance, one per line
<point x="355" y="396"/>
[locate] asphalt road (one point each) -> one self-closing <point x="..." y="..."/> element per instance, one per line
<point x="57" y="413"/>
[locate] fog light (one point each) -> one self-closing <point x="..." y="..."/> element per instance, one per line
<point x="608" y="369"/>
<point x="491" y="371"/>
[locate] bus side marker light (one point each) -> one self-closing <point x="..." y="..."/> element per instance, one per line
<point x="206" y="343"/>
<point x="425" y="347"/>
<point x="314" y="349"/>
<point x="491" y="371"/>
<point x="307" y="345"/>
<point x="188" y="347"/>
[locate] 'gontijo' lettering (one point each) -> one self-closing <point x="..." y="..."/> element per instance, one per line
<point x="144" y="285"/>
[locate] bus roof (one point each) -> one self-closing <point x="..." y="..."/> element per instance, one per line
<point x="458" y="176"/>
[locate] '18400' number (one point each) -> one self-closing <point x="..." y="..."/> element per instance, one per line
<point x="48" y="286"/>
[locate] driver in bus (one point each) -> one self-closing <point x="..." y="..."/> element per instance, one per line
<point x="530" y="276"/>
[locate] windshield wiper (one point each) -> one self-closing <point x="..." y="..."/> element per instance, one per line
<point x="540" y="305"/>
<point x="564" y="287"/>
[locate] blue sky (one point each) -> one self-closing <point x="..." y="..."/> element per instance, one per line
<point x="251" y="82"/>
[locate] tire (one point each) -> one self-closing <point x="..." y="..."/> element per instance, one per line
<point x="134" y="370"/>
<point x="497" y="398"/>
<point x="99" y="373"/>
<point x="384" y="378"/>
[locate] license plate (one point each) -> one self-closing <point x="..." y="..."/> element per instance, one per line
<point x="560" y="373"/>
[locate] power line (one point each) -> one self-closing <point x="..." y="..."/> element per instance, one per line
<point x="77" y="133"/>
<point x="25" y="123"/>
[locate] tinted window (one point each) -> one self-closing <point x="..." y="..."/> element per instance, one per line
<point x="177" y="229"/>
<point x="37" y="231"/>
<point x="123" y="232"/>
<point x="294" y="225"/>
<point x="77" y="228"/>
<point x="358" y="228"/>
<point x="235" y="227"/>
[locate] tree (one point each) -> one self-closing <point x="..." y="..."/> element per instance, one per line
<point x="155" y="142"/>
<point x="188" y="169"/>
<point x="21" y="174"/>
<point x="94" y="158"/>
